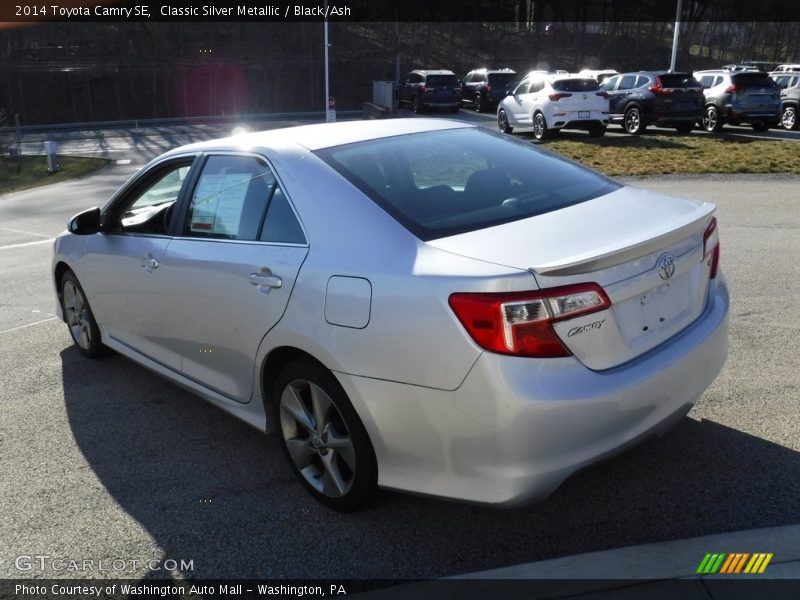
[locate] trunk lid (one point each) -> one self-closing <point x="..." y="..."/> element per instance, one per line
<point x="624" y="241"/>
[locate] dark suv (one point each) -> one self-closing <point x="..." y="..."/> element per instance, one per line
<point x="637" y="100"/>
<point x="739" y="97"/>
<point x="484" y="88"/>
<point x="789" y="83"/>
<point x="428" y="89"/>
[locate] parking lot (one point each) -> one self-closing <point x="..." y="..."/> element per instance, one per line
<point x="103" y="460"/>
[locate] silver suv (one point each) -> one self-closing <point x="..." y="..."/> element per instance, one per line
<point x="789" y="83"/>
<point x="739" y="97"/>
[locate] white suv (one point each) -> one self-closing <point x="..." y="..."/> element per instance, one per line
<point x="549" y="103"/>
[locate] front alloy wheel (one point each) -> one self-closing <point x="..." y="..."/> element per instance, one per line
<point x="634" y="124"/>
<point x="502" y="122"/>
<point x="323" y="438"/>
<point x="789" y="118"/>
<point x="79" y="317"/>
<point x="711" y="120"/>
<point x="479" y="103"/>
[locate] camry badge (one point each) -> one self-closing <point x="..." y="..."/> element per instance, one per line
<point x="666" y="266"/>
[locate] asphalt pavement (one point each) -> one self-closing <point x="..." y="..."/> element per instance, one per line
<point x="102" y="460"/>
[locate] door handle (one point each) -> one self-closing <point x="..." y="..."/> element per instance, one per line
<point x="265" y="280"/>
<point x="149" y="263"/>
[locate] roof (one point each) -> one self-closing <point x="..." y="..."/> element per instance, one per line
<point x="433" y="71"/>
<point x="326" y="135"/>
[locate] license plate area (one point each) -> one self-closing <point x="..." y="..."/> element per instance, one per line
<point x="663" y="309"/>
<point x="583" y="114"/>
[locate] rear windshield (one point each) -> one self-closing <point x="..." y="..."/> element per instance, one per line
<point x="443" y="183"/>
<point x="576" y="85"/>
<point x="502" y="78"/>
<point x="678" y="80"/>
<point x="752" y="80"/>
<point x="441" y="80"/>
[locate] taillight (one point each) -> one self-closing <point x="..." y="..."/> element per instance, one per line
<point x="602" y="94"/>
<point x="658" y="89"/>
<point x="711" y="247"/>
<point x="488" y="89"/>
<point x="422" y="89"/>
<point x="732" y="88"/>
<point x="521" y="323"/>
<point x="556" y="97"/>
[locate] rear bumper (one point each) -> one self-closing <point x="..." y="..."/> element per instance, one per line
<point x="517" y="428"/>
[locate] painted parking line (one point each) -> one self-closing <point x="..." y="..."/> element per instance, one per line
<point x="47" y="241"/>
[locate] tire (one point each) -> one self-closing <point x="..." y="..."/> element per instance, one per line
<point x="789" y="117"/>
<point x="760" y="127"/>
<point x="478" y="103"/>
<point x="540" y="130"/>
<point x="313" y="413"/>
<point x="416" y="106"/>
<point x="633" y="122"/>
<point x="711" y="120"/>
<point x="502" y="122"/>
<point x="79" y="317"/>
<point x="684" y="128"/>
<point x="597" y="131"/>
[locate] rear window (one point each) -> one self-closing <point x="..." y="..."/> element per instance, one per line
<point x="576" y="85"/>
<point x="502" y="78"/>
<point x="678" y="80"/>
<point x="752" y="80"/>
<point x="443" y="183"/>
<point x="442" y="80"/>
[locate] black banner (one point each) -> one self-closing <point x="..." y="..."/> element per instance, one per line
<point x="519" y="11"/>
<point x="443" y="589"/>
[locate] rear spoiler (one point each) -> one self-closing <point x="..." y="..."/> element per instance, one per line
<point x="649" y="242"/>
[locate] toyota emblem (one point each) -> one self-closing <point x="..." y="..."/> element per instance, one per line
<point x="666" y="266"/>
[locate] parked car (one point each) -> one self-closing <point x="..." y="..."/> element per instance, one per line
<point x="789" y="84"/>
<point x="788" y="67"/>
<point x="598" y="75"/>
<point x="549" y="103"/>
<point x="423" y="89"/>
<point x="661" y="98"/>
<point x="739" y="97"/>
<point x="418" y="304"/>
<point x="485" y="88"/>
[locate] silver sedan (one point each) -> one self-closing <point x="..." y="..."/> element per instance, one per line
<point x="419" y="305"/>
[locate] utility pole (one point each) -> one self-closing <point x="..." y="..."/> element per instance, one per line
<point x="676" y="34"/>
<point x="329" y="115"/>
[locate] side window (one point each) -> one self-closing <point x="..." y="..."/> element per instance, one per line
<point x="642" y="81"/>
<point x="717" y="80"/>
<point x="537" y="86"/>
<point x="281" y="225"/>
<point x="627" y="82"/>
<point x="149" y="208"/>
<point x="230" y="198"/>
<point x="523" y="87"/>
<point x="610" y="84"/>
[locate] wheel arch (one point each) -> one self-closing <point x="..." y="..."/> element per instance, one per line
<point x="274" y="362"/>
<point x="60" y="268"/>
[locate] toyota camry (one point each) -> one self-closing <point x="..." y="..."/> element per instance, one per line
<point x="412" y="304"/>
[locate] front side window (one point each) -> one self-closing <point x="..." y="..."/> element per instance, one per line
<point x="443" y="183"/>
<point x="148" y="209"/>
<point x="523" y="87"/>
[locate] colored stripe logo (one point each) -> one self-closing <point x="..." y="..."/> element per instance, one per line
<point x="732" y="563"/>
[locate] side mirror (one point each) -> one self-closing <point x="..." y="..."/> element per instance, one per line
<point x="85" y="223"/>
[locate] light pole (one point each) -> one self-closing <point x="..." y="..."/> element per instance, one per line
<point x="675" y="35"/>
<point x="328" y="115"/>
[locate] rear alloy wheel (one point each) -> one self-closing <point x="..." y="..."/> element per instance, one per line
<point x="416" y="105"/>
<point x="711" y="120"/>
<point x="502" y="122"/>
<point x="633" y="122"/>
<point x="478" y="101"/>
<point x="597" y="131"/>
<point x="79" y="317"/>
<point x="684" y="127"/>
<point x="323" y="438"/>
<point x="760" y="127"/>
<point x="540" y="130"/>
<point x="789" y="118"/>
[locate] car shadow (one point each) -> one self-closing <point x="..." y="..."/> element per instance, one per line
<point x="211" y="489"/>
